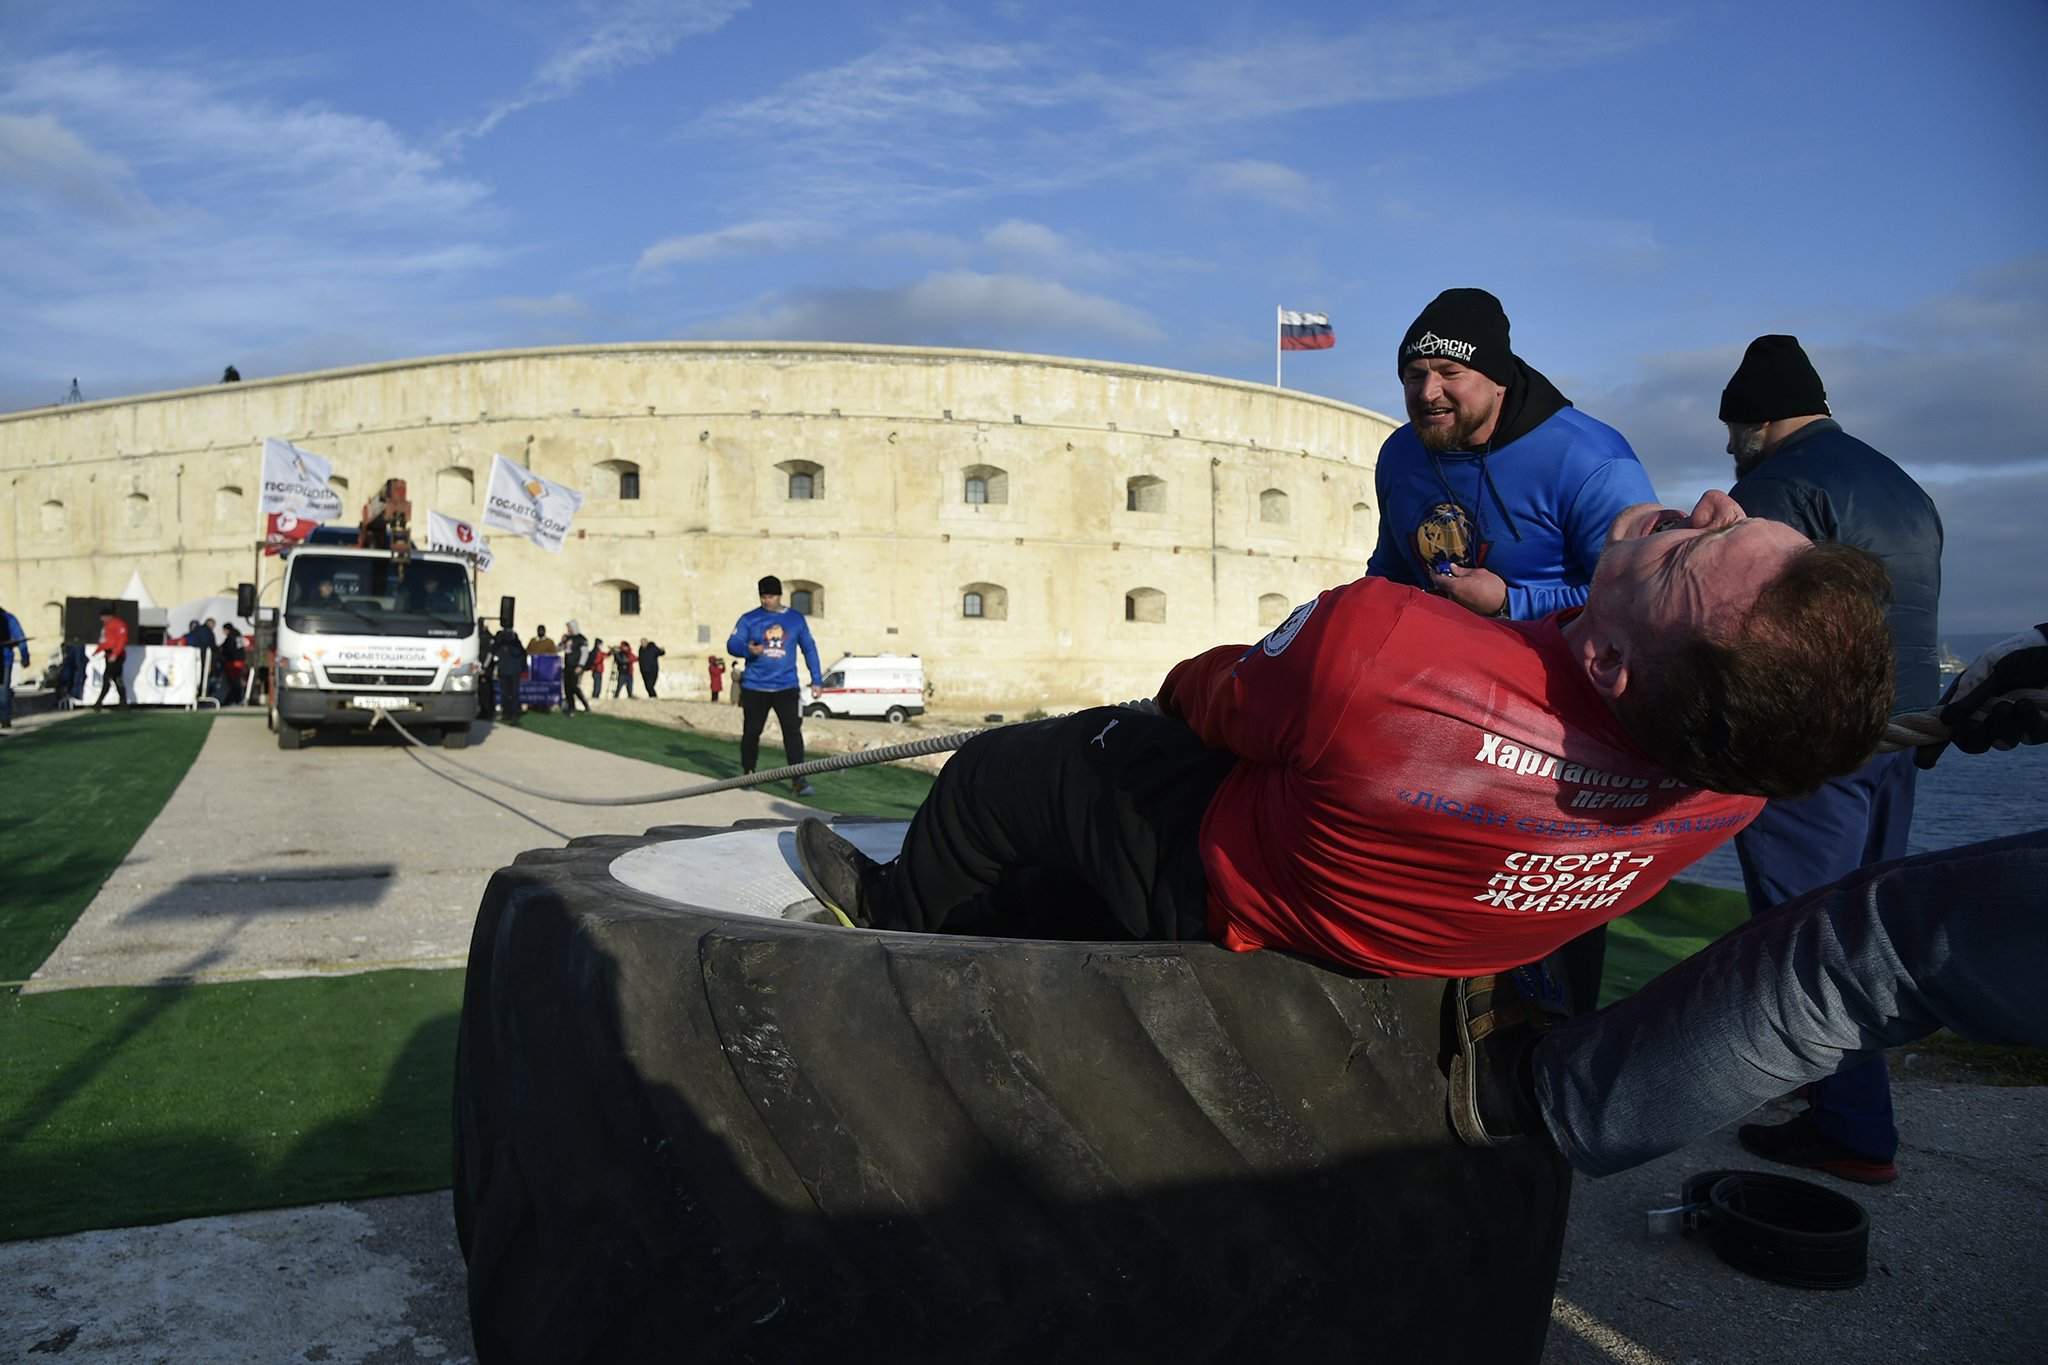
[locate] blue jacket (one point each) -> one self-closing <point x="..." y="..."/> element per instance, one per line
<point x="12" y="638"/>
<point x="781" y="634"/>
<point x="1828" y="484"/>
<point x="1534" y="507"/>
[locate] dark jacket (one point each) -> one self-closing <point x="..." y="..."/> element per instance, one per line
<point x="1828" y="484"/>
<point x="509" y="656"/>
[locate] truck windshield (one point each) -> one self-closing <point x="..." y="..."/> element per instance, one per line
<point x="354" y="595"/>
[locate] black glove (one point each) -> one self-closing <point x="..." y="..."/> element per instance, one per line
<point x="2000" y="701"/>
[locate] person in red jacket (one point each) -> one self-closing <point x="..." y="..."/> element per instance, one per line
<point x="717" y="670"/>
<point x="114" y="648"/>
<point x="1394" y="784"/>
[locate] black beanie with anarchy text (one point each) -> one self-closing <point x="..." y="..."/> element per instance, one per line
<point x="1465" y="325"/>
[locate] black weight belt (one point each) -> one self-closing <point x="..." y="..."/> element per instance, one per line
<point x="1787" y="1231"/>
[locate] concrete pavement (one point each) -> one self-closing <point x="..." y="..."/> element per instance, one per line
<point x="350" y="855"/>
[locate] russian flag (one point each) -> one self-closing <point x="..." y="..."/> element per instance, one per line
<point x="1305" y="331"/>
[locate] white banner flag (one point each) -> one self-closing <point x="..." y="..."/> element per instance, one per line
<point x="295" y="481"/>
<point x="452" y="536"/>
<point x="522" y="502"/>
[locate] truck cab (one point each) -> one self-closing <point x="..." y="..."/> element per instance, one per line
<point x="363" y="631"/>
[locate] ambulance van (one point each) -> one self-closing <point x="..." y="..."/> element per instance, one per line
<point x="889" y="686"/>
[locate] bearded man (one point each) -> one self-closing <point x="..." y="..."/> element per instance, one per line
<point x="1498" y="492"/>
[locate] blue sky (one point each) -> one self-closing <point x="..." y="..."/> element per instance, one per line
<point x="289" y="187"/>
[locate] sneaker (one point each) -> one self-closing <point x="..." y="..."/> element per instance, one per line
<point x="1492" y="1094"/>
<point x="836" y="872"/>
<point x="803" y="788"/>
<point x="1800" y="1142"/>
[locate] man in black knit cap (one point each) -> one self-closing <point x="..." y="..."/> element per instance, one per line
<point x="1794" y="464"/>
<point x="1498" y="492"/>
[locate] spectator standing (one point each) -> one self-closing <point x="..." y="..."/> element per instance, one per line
<point x="541" y="643"/>
<point x="487" y="661"/>
<point x="199" y="635"/>
<point x="1498" y="493"/>
<point x="623" y="659"/>
<point x="650" y="664"/>
<point x="511" y="662"/>
<point x="598" y="657"/>
<point x="1794" y="464"/>
<point x="573" y="647"/>
<point x="739" y="679"/>
<point x="234" y="666"/>
<point x="13" y="641"/>
<point x="717" y="670"/>
<point x="113" y="648"/>
<point x="770" y="638"/>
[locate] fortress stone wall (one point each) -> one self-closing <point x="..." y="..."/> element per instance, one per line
<point x="1103" y="520"/>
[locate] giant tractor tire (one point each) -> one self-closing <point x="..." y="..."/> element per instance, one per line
<point x="689" y="1134"/>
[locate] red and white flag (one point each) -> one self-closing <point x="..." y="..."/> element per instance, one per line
<point x="453" y="536"/>
<point x="1305" y="331"/>
<point x="284" y="530"/>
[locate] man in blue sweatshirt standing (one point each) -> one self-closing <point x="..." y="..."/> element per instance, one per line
<point x="1498" y="492"/>
<point x="13" y="641"/>
<point x="768" y="638"/>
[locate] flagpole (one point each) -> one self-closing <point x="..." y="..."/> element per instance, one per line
<point x="1276" y="346"/>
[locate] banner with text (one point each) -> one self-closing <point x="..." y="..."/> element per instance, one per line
<point x="295" y="481"/>
<point x="452" y="536"/>
<point x="522" y="502"/>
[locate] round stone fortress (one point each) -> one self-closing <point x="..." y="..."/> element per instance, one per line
<point x="1044" y="532"/>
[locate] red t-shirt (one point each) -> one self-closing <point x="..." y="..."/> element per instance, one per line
<point x="114" y="637"/>
<point x="1426" y="792"/>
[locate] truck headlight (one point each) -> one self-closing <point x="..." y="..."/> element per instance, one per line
<point x="298" y="677"/>
<point x="462" y="678"/>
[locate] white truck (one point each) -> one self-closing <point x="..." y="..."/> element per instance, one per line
<point x="370" y="628"/>
<point x="890" y="686"/>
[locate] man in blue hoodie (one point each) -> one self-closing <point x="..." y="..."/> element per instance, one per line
<point x="13" y="640"/>
<point x="768" y="638"/>
<point x="1498" y="492"/>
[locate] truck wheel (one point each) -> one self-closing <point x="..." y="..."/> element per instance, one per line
<point x="816" y="710"/>
<point x="455" y="736"/>
<point x="961" y="1148"/>
<point x="896" y="715"/>
<point x="289" y="736"/>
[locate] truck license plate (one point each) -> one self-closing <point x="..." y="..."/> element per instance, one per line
<point x="381" y="703"/>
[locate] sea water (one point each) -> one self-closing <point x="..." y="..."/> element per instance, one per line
<point x="1963" y="799"/>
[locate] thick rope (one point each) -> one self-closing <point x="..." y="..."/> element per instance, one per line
<point x="916" y="748"/>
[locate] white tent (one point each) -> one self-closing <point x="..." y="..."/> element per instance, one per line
<point x="138" y="593"/>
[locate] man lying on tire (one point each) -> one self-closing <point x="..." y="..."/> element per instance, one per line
<point x="1397" y="785"/>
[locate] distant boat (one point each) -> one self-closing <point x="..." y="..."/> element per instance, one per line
<point x="1950" y="664"/>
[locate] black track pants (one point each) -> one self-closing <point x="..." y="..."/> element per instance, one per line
<point x="754" y="709"/>
<point x="1107" y="801"/>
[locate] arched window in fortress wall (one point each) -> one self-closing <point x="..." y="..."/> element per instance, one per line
<point x="806" y="480"/>
<point x="985" y="483"/>
<point x="1144" y="493"/>
<point x="1145" y="605"/>
<point x="617" y="479"/>
<point x="1361" y="523"/>
<point x="229" y="505"/>
<point x="454" y="488"/>
<point x="1273" y="609"/>
<point x="985" y="602"/>
<point x="135" y="510"/>
<point x="52" y="519"/>
<point x="1273" y="509"/>
<point x="806" y="596"/>
<point x="628" y="595"/>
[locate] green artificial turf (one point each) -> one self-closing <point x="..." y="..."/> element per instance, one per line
<point x="884" y="790"/>
<point x="74" y="798"/>
<point x="1675" y="923"/>
<point x="145" y="1104"/>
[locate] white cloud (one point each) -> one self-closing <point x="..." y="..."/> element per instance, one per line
<point x="635" y="33"/>
<point x="1018" y="242"/>
<point x="760" y="237"/>
<point x="41" y="157"/>
<point x="953" y="308"/>
<point x="923" y="245"/>
<point x="1265" y="181"/>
